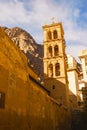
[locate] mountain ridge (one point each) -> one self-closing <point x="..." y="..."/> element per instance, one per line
<point x="29" y="46"/>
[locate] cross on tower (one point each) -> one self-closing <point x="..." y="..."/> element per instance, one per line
<point x="52" y="19"/>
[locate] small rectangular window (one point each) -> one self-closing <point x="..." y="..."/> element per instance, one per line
<point x="2" y="100"/>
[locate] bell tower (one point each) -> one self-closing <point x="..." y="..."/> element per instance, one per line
<point x="55" y="69"/>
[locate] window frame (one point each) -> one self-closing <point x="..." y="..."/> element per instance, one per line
<point x="50" y="70"/>
<point x="55" y="34"/>
<point x="2" y="100"/>
<point x="57" y="69"/>
<point x="56" y="50"/>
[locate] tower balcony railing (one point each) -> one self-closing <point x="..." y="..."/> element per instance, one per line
<point x="72" y="66"/>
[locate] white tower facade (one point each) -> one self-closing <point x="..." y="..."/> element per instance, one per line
<point x="73" y="73"/>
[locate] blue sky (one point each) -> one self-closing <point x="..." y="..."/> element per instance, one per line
<point x="31" y="15"/>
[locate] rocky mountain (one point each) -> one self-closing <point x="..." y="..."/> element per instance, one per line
<point x="27" y="44"/>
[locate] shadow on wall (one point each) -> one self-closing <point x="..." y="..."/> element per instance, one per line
<point x="28" y="107"/>
<point x="74" y="101"/>
<point x="10" y="120"/>
<point x="60" y="91"/>
<point x="36" y="61"/>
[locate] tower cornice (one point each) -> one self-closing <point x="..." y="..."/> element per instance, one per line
<point x="54" y="25"/>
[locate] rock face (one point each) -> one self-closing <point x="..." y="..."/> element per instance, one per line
<point x="27" y="44"/>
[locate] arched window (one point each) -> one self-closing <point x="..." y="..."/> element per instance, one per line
<point x="57" y="69"/>
<point x="49" y="35"/>
<point x="55" y="35"/>
<point x="2" y="100"/>
<point x="53" y="87"/>
<point x="50" y="70"/>
<point x="49" y="51"/>
<point x="56" y="50"/>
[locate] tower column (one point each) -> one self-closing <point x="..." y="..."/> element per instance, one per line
<point x="45" y="51"/>
<point x="53" y="69"/>
<point x="52" y="50"/>
<point x="52" y="35"/>
<point x="45" y="36"/>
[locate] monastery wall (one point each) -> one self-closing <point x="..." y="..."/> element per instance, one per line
<point x="24" y="103"/>
<point x="28" y="106"/>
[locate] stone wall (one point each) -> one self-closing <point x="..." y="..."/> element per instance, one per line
<point x="44" y="112"/>
<point x="29" y="107"/>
